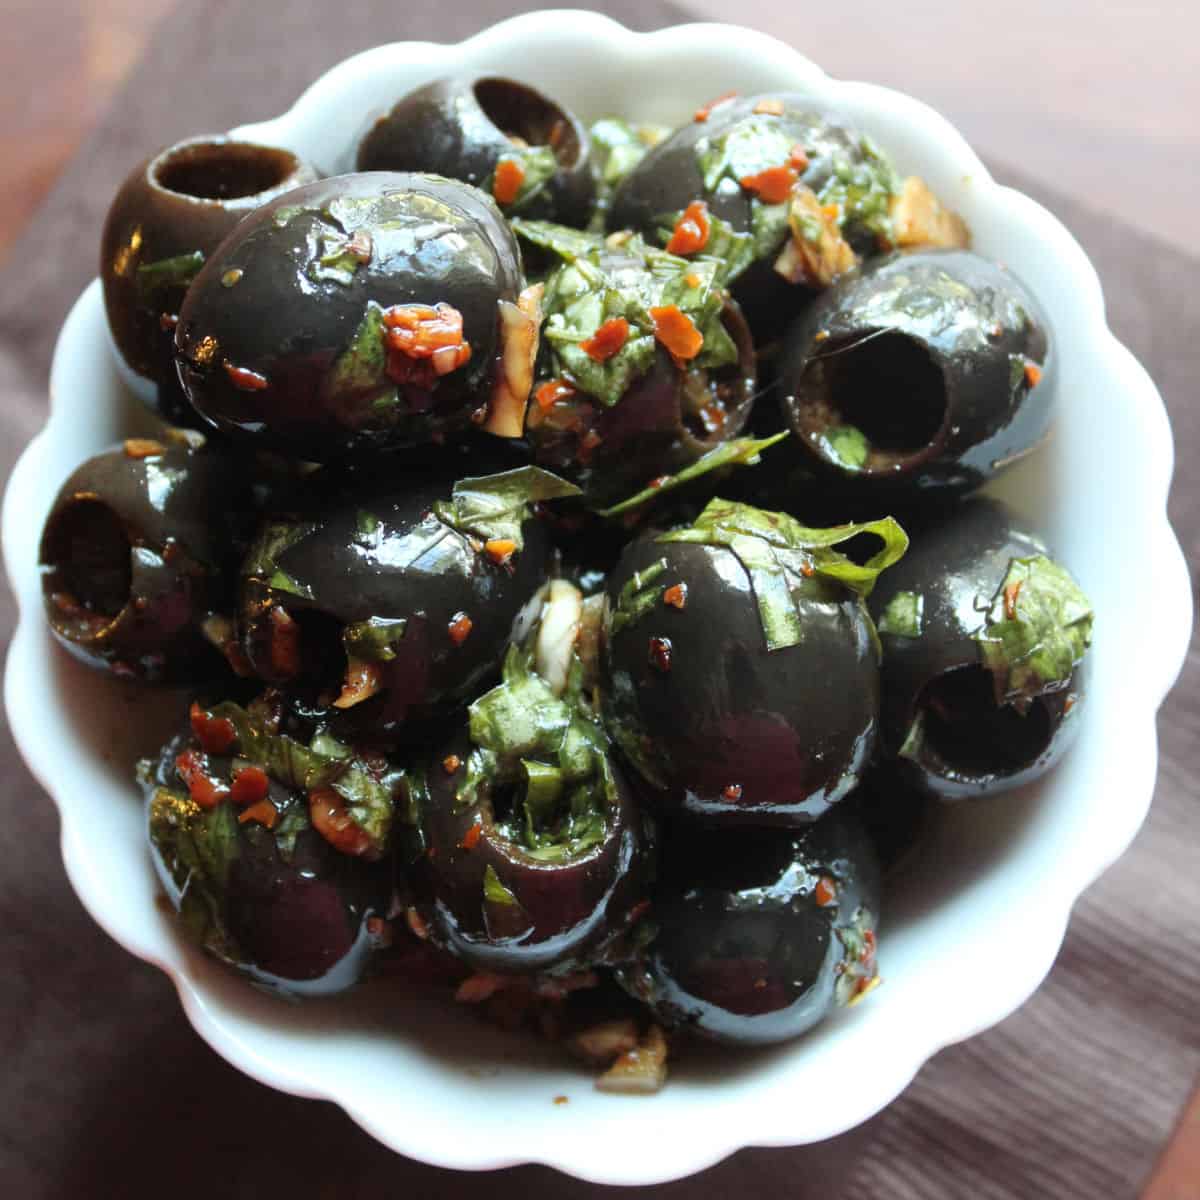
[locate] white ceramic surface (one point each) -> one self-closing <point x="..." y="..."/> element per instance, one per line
<point x="974" y="925"/>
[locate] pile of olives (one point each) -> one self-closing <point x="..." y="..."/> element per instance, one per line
<point x="565" y="536"/>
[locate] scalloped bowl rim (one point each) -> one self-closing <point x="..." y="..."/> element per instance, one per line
<point x="874" y="1050"/>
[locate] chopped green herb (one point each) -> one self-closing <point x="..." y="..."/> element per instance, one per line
<point x="375" y="639"/>
<point x="1038" y="629"/>
<point x="538" y="165"/>
<point x="281" y="581"/>
<point x="903" y="615"/>
<point x="863" y="192"/>
<point x="155" y="280"/>
<point x="639" y="595"/>
<point x="737" y="452"/>
<point x="497" y="506"/>
<point x="362" y="366"/>
<point x="274" y="539"/>
<point x="847" y="445"/>
<point x="778" y="553"/>
<point x="494" y="892"/>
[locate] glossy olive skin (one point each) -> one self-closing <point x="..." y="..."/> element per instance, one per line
<point x="928" y="350"/>
<point x="651" y="430"/>
<point x="956" y="566"/>
<point x="267" y="355"/>
<point x="728" y="732"/>
<point x="566" y="913"/>
<point x="297" y="923"/>
<point x="409" y="566"/>
<point x="181" y="201"/>
<point x="745" y="951"/>
<point x="896" y="814"/>
<point x="669" y="178"/>
<point x="459" y="128"/>
<point x="134" y="555"/>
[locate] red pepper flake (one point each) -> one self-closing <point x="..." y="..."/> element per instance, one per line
<point x="451" y="763"/>
<point x="832" y="211"/>
<point x="822" y="335"/>
<point x="825" y="892"/>
<point x="587" y="445"/>
<point x="500" y="550"/>
<point x="677" y="332"/>
<point x="380" y="930"/>
<point x="1069" y="703"/>
<point x="705" y="110"/>
<point x="460" y="628"/>
<point x="691" y="230"/>
<point x="1011" y="592"/>
<point x="772" y="186"/>
<point x="249" y="785"/>
<point x="1033" y="374"/>
<point x="658" y="481"/>
<point x="425" y="342"/>
<point x="506" y="184"/>
<point x="770" y="107"/>
<point x="676" y="596"/>
<point x="417" y="924"/>
<point x="807" y="569"/>
<point x="471" y="837"/>
<point x="551" y="392"/>
<point x="217" y="735"/>
<point x="692" y="279"/>
<point x="868" y="951"/>
<point x="798" y="159"/>
<point x="264" y="812"/>
<point x="660" y="654"/>
<point x="607" y="340"/>
<point x="732" y="791"/>
<point x="203" y="789"/>
<point x="560" y="1099"/>
<point x="244" y="379"/>
<point x="143" y="448"/>
<point x="760" y="984"/>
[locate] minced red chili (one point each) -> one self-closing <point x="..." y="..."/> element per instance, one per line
<point x="460" y="628"/>
<point x="607" y="340"/>
<point x="691" y="231"/>
<point x="203" y="789"/>
<point x="244" y="379"/>
<point x="676" y="596"/>
<point x="705" y="110"/>
<point x="216" y="734"/>
<point x="772" y="186"/>
<point x="676" y="331"/>
<point x="659" y="654"/>
<point x="249" y="785"/>
<point x="506" y="184"/>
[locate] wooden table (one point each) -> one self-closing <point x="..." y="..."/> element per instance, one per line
<point x="1063" y="90"/>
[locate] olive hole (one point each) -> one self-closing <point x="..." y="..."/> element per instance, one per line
<point x="223" y="170"/>
<point x="973" y="735"/>
<point x="886" y="386"/>
<point x="88" y="553"/>
<point x="520" y="112"/>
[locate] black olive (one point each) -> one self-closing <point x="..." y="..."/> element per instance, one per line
<point x="673" y="174"/>
<point x="718" y="726"/>
<point x="134" y="557"/>
<point x="499" y="903"/>
<point x="924" y="371"/>
<point x="947" y="716"/>
<point x="464" y="127"/>
<point x="759" y="934"/>
<point x="372" y="590"/>
<point x="254" y="883"/>
<point x="356" y="313"/>
<point x="169" y="215"/>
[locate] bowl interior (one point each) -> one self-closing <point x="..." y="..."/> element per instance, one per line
<point x="973" y="922"/>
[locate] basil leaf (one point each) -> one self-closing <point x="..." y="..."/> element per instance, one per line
<point x="778" y="553"/>
<point x="618" y="147"/>
<point x="1038" y="629"/>
<point x="292" y="822"/>
<point x="362" y="366"/>
<point x="155" y="280"/>
<point x="847" y="445"/>
<point x="863" y="192"/>
<point x="497" y="506"/>
<point x="520" y="717"/>
<point x="494" y="892"/>
<point x="638" y="596"/>
<point x="903" y="615"/>
<point x="569" y="244"/>
<point x="375" y="639"/>
<point x="753" y="145"/>
<point x="370" y="801"/>
<point x="197" y="847"/>
<point x="273" y="540"/>
<point x="737" y="452"/>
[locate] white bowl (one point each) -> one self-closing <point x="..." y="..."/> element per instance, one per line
<point x="973" y="926"/>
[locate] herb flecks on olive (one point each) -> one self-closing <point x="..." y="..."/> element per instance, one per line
<point x="169" y="215"/>
<point x="755" y="702"/>
<point x="528" y="153"/>
<point x="536" y="854"/>
<point x="135" y="556"/>
<point x="756" y="937"/>
<point x="919" y="372"/>
<point x="980" y="695"/>
<point x="646" y="363"/>
<point x="259" y="876"/>
<point x="367" y="304"/>
<point x="390" y="604"/>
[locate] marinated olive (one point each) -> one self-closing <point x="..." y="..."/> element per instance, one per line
<point x="928" y="370"/>
<point x="360" y="312"/>
<point x="403" y="600"/>
<point x="983" y="638"/>
<point x="742" y="670"/>
<point x="135" y="557"/>
<point x="759" y="935"/>
<point x="170" y="214"/>
<point x="784" y="195"/>
<point x="528" y="153"/>
<point x="647" y="366"/>
<point x="270" y="850"/>
<point x="537" y="857"/>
